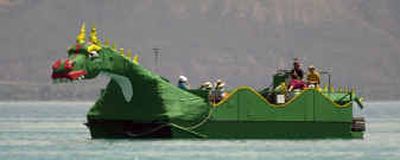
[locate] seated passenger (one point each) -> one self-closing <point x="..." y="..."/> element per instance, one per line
<point x="183" y="83"/>
<point x="296" y="83"/>
<point x="220" y="85"/>
<point x="206" y="86"/>
<point x="313" y="78"/>
<point x="219" y="92"/>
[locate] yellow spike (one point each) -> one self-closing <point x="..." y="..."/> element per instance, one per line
<point x="340" y="89"/>
<point x="128" y="54"/>
<point x="106" y="41"/>
<point x="114" y="46"/>
<point x="93" y="36"/>
<point x="318" y="88"/>
<point x="81" y="38"/>
<point x="136" y="59"/>
<point x="325" y="88"/>
<point x="332" y="89"/>
<point x="122" y="51"/>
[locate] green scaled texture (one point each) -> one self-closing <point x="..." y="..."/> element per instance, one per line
<point x="153" y="98"/>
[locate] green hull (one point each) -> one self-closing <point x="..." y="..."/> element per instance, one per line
<point x="225" y="130"/>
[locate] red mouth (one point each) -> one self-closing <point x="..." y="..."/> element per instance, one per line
<point x="72" y="75"/>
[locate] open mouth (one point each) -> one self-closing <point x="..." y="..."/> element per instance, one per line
<point x="69" y="76"/>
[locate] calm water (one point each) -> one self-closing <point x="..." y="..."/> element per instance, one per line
<point x="54" y="130"/>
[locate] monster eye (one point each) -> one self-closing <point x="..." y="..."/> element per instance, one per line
<point x="93" y="54"/>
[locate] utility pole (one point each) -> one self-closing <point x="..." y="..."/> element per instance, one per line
<point x="156" y="51"/>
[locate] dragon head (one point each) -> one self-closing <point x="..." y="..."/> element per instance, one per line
<point x="85" y="59"/>
<point x="81" y="61"/>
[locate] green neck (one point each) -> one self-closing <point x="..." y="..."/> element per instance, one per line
<point x="152" y="98"/>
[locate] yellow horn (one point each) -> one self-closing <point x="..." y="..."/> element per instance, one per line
<point x="81" y="38"/>
<point x="93" y="35"/>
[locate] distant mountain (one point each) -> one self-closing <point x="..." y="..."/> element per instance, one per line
<point x="241" y="41"/>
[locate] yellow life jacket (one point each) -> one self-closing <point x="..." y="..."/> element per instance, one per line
<point x="313" y="78"/>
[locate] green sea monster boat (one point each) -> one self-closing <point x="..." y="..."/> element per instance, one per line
<point x="138" y="103"/>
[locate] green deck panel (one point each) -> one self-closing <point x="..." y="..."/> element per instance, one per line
<point x="327" y="110"/>
<point x="244" y="104"/>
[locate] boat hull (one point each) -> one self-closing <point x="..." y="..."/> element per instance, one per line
<point x="223" y="130"/>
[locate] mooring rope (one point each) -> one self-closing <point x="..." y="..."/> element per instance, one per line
<point x="186" y="129"/>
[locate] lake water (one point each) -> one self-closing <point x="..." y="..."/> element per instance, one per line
<point x="55" y="130"/>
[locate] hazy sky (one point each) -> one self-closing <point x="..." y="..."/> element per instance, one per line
<point x="243" y="42"/>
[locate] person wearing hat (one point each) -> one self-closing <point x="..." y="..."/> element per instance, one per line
<point x="183" y="83"/>
<point x="219" y="85"/>
<point x="219" y="91"/>
<point x="207" y="86"/>
<point x="313" y="77"/>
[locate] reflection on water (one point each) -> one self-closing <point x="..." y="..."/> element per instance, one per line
<point x="55" y="130"/>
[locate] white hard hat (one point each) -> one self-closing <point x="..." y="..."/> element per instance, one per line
<point x="182" y="78"/>
<point x="207" y="84"/>
<point x="220" y="83"/>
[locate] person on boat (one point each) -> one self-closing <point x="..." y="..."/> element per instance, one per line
<point x="206" y="86"/>
<point x="297" y="69"/>
<point x="183" y="83"/>
<point x="219" y="91"/>
<point x="313" y="77"/>
<point x="296" y="83"/>
<point x="220" y="85"/>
